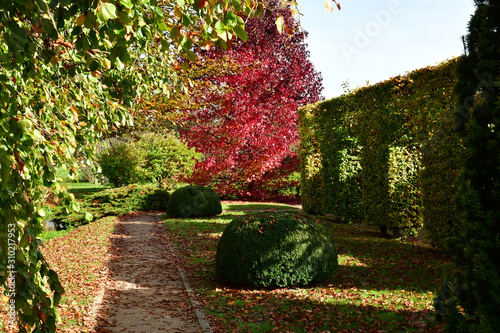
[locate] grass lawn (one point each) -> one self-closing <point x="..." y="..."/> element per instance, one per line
<point x="86" y="187"/>
<point x="381" y="285"/>
<point x="79" y="189"/>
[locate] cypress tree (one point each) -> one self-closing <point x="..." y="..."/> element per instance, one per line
<point x="472" y="302"/>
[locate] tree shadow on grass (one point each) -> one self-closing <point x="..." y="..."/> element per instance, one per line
<point x="371" y="261"/>
<point x="365" y="260"/>
<point x="286" y="311"/>
<point x="371" y="270"/>
<point x="258" y="206"/>
<point x="223" y="219"/>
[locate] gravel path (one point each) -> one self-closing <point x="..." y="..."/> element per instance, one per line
<point x="145" y="290"/>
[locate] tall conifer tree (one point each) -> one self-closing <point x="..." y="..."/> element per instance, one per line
<point x="473" y="304"/>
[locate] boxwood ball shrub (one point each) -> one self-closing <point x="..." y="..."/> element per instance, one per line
<point x="275" y="249"/>
<point x="194" y="201"/>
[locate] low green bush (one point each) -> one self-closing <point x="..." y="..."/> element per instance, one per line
<point x="194" y="201"/>
<point x="272" y="249"/>
<point x="165" y="158"/>
<point x="113" y="202"/>
<point x="147" y="158"/>
<point x="120" y="164"/>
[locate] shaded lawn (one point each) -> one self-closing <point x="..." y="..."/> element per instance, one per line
<point x="381" y="285"/>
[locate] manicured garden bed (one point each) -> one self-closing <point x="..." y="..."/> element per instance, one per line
<point x="381" y="285"/>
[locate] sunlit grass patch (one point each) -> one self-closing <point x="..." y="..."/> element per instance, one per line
<point x="242" y="207"/>
<point x="380" y="284"/>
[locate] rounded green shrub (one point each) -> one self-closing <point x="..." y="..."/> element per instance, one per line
<point x="158" y="158"/>
<point x="120" y="164"/>
<point x="194" y="201"/>
<point x="275" y="249"/>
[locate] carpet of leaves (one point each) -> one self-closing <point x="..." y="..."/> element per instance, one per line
<point x="78" y="257"/>
<point x="381" y="285"/>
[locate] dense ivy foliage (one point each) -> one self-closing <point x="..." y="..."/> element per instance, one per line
<point x="380" y="152"/>
<point x="70" y="71"/>
<point x="470" y="302"/>
<point x="272" y="249"/>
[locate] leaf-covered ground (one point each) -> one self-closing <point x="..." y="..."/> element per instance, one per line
<point x="382" y="285"/>
<point x="78" y="257"/>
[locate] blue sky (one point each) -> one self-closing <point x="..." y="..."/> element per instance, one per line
<point x="373" y="40"/>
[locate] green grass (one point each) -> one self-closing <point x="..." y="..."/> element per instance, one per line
<point x="51" y="234"/>
<point x="86" y="187"/>
<point x="253" y="206"/>
<point x="381" y="284"/>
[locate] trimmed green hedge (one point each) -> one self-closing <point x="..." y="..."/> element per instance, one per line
<point x="385" y="154"/>
<point x="113" y="202"/>
<point x="275" y="249"/>
<point x="310" y="163"/>
<point x="194" y="201"/>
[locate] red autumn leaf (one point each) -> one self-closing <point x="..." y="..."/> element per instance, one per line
<point x="203" y="3"/>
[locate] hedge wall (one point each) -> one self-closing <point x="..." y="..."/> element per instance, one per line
<point x="340" y="154"/>
<point x="385" y="154"/>
<point x="311" y="188"/>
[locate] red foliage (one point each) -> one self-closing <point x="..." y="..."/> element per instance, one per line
<point x="247" y="130"/>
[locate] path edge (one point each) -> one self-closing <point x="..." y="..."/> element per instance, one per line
<point x="200" y="315"/>
<point x="92" y="316"/>
<point x="205" y="325"/>
<point x="98" y="298"/>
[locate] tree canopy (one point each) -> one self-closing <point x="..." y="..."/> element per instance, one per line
<point x="246" y="121"/>
<point x="70" y="71"/>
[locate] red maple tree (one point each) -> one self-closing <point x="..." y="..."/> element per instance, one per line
<point x="247" y="128"/>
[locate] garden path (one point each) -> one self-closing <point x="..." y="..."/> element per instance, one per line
<point x="145" y="289"/>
